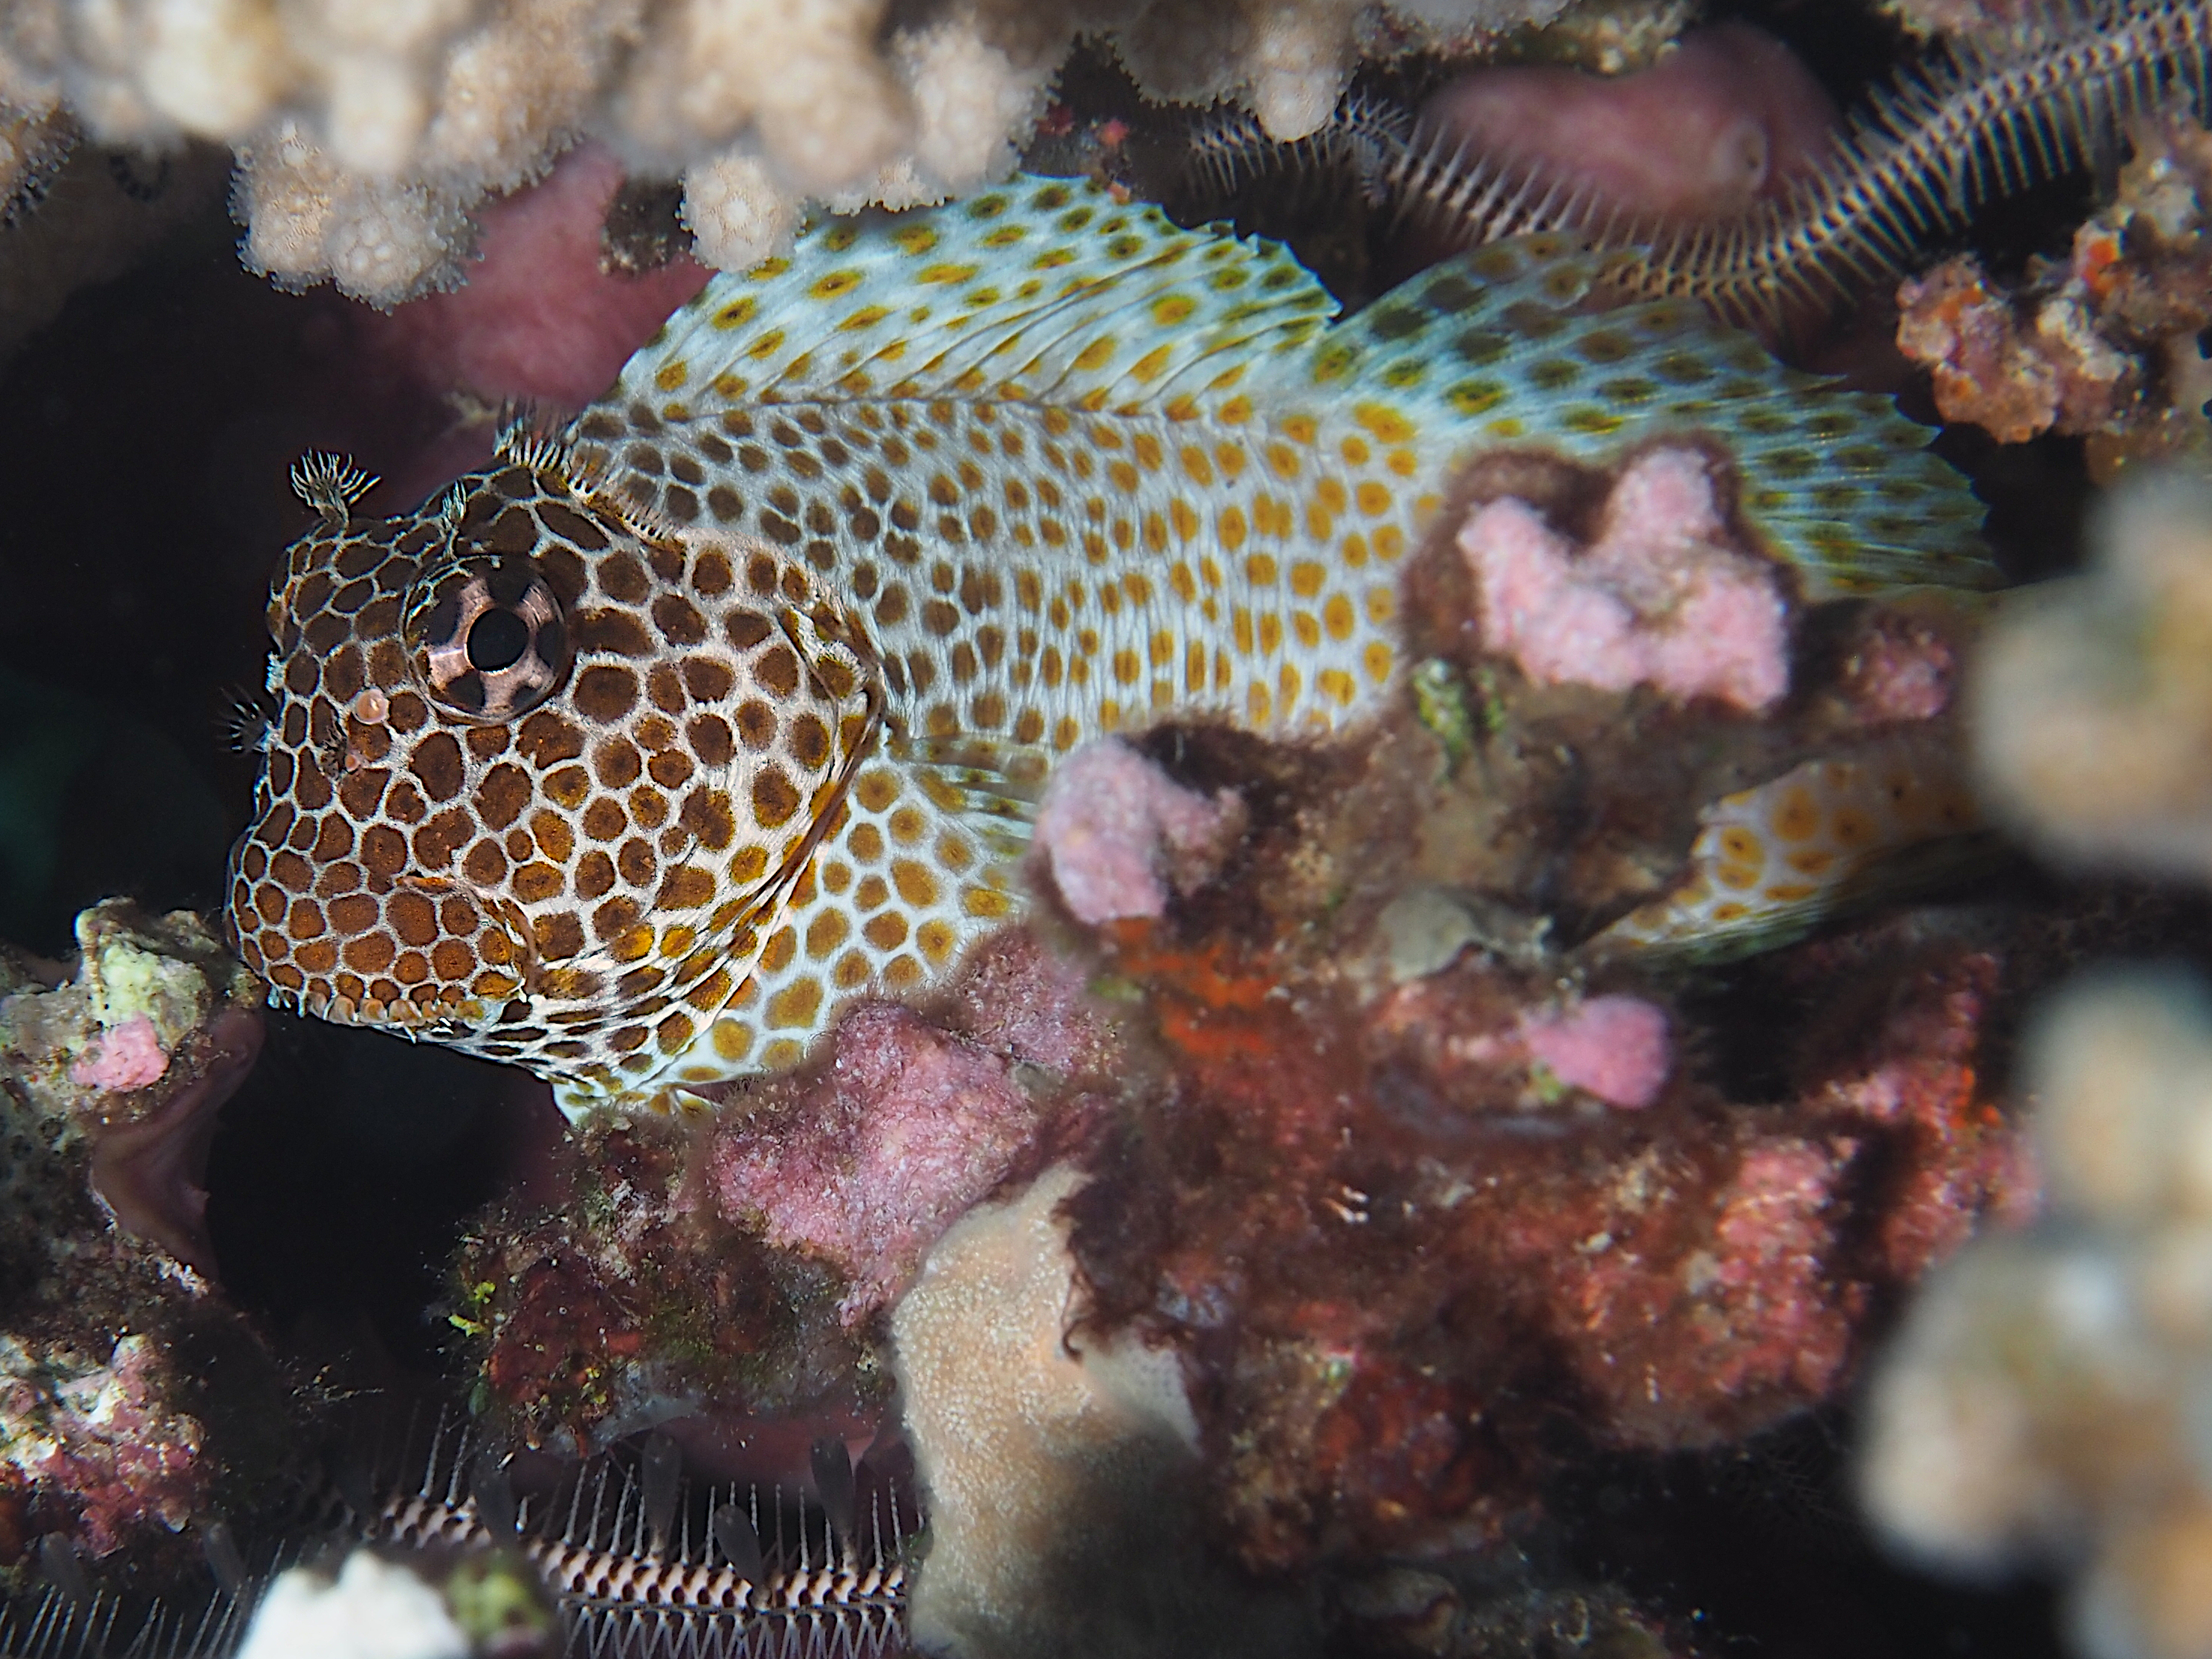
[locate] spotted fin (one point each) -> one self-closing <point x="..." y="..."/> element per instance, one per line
<point x="950" y="872"/>
<point x="917" y="865"/>
<point x="1048" y="292"/>
<point x="1493" y="346"/>
<point x="1773" y="863"/>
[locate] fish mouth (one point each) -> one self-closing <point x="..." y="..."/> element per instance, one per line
<point x="444" y="960"/>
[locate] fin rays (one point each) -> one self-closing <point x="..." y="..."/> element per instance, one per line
<point x="1051" y="294"/>
<point x="1047" y="291"/>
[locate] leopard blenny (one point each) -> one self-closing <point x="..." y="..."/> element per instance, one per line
<point x="637" y="757"/>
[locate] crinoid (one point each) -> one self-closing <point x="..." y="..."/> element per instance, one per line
<point x="634" y="1561"/>
<point x="1231" y="156"/>
<point x="1319" y="193"/>
<point x="1987" y="118"/>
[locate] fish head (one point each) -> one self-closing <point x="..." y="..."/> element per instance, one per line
<point x="540" y="772"/>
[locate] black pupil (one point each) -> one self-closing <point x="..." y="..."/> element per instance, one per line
<point x="497" y="639"/>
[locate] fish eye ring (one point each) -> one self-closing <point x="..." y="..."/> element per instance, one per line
<point x="486" y="638"/>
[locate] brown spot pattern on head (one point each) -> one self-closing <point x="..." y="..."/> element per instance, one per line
<point x="487" y="852"/>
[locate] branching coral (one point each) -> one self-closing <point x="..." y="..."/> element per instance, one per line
<point x="2092" y="702"/>
<point x="366" y="137"/>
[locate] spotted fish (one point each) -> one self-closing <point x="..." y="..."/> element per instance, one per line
<point x="1772" y="863"/>
<point x="638" y="757"/>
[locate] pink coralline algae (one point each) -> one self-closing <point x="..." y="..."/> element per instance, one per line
<point x="1018" y="999"/>
<point x="1727" y="117"/>
<point x="106" y="1435"/>
<point x="1389" y="1266"/>
<point x="737" y="1276"/>
<point x="1897" y="669"/>
<point x="1612" y="1046"/>
<point x="1771" y="1241"/>
<point x="1118" y="833"/>
<point x="130" y="1056"/>
<point x="907" y="1130"/>
<point x="1659" y="599"/>
<point x="1914" y="1078"/>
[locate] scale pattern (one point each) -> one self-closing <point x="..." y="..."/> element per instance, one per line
<point x="640" y="756"/>
<point x="1772" y="862"/>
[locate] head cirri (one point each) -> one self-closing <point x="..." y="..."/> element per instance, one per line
<point x="520" y="795"/>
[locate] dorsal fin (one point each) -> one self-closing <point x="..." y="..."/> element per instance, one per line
<point x="1773" y="862"/>
<point x="1050" y="292"/>
<point x="1047" y="291"/>
<point x="1499" y="346"/>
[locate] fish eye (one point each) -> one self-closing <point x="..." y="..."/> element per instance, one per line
<point x="486" y="638"/>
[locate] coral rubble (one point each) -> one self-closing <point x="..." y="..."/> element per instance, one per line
<point x="2101" y="344"/>
<point x="137" y="1408"/>
<point x="1393" y="1267"/>
<point x="2014" y="381"/>
<point x="611" y="1307"/>
<point x="130" y="1057"/>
